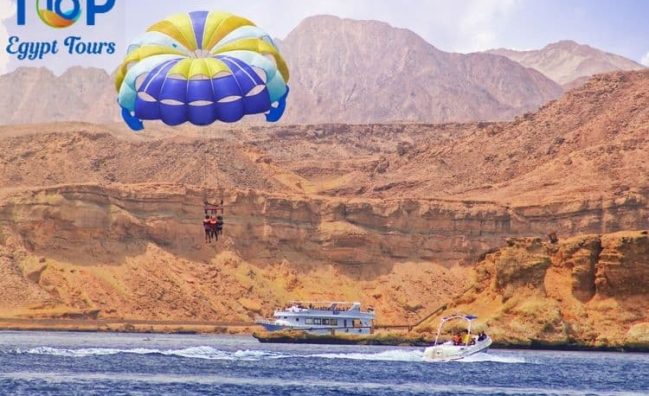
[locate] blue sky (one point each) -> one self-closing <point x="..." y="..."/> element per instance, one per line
<point x="620" y="26"/>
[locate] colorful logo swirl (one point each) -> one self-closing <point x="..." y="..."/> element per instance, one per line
<point x="52" y="15"/>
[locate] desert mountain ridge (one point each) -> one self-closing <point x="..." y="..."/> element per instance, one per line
<point x="569" y="63"/>
<point x="340" y="67"/>
<point x="340" y="74"/>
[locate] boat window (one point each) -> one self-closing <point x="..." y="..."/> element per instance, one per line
<point x="357" y="323"/>
<point x="308" y="321"/>
<point x="333" y="322"/>
<point x="297" y="319"/>
<point x="317" y="321"/>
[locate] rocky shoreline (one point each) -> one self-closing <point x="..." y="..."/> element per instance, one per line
<point x="380" y="339"/>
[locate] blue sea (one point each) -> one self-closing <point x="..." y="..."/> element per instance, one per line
<point x="35" y="363"/>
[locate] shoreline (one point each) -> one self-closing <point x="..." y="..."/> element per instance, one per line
<point x="534" y="346"/>
<point x="120" y="326"/>
<point x="125" y="326"/>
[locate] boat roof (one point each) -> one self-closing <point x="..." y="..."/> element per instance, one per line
<point x="457" y="316"/>
<point x="324" y="304"/>
<point x="460" y="316"/>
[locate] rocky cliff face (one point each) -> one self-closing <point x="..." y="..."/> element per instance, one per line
<point x="58" y="240"/>
<point x="138" y="252"/>
<point x="365" y="235"/>
<point x="588" y="291"/>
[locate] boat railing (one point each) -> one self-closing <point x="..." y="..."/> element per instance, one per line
<point x="337" y="328"/>
<point x="340" y="329"/>
<point x="260" y="320"/>
<point x="325" y="305"/>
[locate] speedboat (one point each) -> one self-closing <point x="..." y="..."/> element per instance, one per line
<point x="462" y="346"/>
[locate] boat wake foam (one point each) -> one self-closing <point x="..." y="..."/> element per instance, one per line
<point x="210" y="353"/>
<point x="418" y="356"/>
<point x="390" y="356"/>
<point x="201" y="352"/>
<point x="490" y="357"/>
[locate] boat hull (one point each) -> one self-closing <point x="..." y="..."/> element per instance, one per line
<point x="449" y="352"/>
<point x="273" y="327"/>
<point x="301" y="337"/>
<point x="270" y="327"/>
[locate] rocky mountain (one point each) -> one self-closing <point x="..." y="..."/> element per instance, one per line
<point x="340" y="73"/>
<point x="367" y="71"/>
<point x="569" y="63"/>
<point x="33" y="95"/>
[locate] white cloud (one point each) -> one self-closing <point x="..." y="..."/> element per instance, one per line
<point x="645" y="59"/>
<point x="481" y="23"/>
<point x="459" y="25"/>
<point x="7" y="10"/>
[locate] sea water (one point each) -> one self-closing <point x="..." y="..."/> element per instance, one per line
<point x="136" y="364"/>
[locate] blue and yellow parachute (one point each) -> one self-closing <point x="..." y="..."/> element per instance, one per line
<point x="202" y="67"/>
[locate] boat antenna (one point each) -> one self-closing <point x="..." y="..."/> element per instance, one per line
<point x="439" y="329"/>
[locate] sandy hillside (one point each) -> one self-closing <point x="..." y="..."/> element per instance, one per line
<point x="590" y="144"/>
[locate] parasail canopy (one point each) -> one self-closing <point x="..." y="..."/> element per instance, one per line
<point x="202" y="67"/>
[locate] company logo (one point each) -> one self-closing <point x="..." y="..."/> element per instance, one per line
<point x="61" y="14"/>
<point x="53" y="15"/>
<point x="64" y="13"/>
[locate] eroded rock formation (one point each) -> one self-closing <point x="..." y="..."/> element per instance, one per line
<point x="587" y="291"/>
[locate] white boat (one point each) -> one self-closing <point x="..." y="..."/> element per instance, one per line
<point x="322" y="318"/>
<point x="457" y="349"/>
